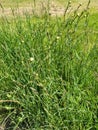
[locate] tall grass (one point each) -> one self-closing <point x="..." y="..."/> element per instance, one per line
<point x="48" y="73"/>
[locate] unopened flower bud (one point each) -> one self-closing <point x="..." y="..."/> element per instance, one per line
<point x="31" y="59"/>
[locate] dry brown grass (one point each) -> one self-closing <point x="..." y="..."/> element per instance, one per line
<point x="55" y="7"/>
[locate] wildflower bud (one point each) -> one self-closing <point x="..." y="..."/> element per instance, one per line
<point x="69" y="2"/>
<point x="78" y="14"/>
<point x="31" y="59"/>
<point x="80" y="4"/>
<point x="22" y="41"/>
<point x="85" y="15"/>
<point x="57" y="37"/>
<point x="49" y="14"/>
<point x="36" y="75"/>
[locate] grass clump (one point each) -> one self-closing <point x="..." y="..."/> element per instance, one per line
<point x="48" y="73"/>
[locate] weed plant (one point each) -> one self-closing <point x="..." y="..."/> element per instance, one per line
<point x="48" y="73"/>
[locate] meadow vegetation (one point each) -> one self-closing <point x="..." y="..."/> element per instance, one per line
<point x="48" y="72"/>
